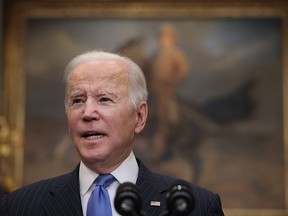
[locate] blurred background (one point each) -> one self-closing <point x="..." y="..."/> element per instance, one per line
<point x="216" y="101"/>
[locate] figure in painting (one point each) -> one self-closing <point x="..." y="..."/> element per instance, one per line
<point x="169" y="68"/>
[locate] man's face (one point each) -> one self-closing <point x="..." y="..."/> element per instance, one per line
<point x="101" y="119"/>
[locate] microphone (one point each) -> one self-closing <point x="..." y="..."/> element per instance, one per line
<point x="128" y="201"/>
<point x="179" y="200"/>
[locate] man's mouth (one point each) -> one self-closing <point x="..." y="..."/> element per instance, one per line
<point x="92" y="135"/>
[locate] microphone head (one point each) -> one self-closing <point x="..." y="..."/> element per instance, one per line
<point x="127" y="200"/>
<point x="180" y="200"/>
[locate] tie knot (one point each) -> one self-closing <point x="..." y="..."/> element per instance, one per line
<point x="104" y="180"/>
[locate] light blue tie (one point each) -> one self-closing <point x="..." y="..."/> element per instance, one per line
<point x="99" y="202"/>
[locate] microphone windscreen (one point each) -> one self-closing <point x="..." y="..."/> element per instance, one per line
<point x="127" y="199"/>
<point x="180" y="199"/>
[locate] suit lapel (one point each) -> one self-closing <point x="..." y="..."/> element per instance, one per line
<point x="152" y="190"/>
<point x="64" y="198"/>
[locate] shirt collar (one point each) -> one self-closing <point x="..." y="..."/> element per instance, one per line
<point x="126" y="172"/>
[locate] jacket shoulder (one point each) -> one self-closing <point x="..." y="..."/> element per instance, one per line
<point x="27" y="199"/>
<point x="43" y="185"/>
<point x="156" y="185"/>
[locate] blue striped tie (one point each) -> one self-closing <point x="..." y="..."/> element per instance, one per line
<point x="99" y="202"/>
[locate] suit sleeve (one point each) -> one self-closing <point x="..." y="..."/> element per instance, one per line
<point x="3" y="206"/>
<point x="215" y="207"/>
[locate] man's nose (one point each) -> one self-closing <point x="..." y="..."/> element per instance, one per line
<point x="90" y="111"/>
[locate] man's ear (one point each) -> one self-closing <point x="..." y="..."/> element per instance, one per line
<point x="142" y="113"/>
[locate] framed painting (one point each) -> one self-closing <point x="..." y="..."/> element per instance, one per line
<point x="220" y="124"/>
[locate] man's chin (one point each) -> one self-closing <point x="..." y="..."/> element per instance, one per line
<point x="93" y="158"/>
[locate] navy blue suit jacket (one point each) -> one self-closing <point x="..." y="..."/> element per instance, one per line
<point x="60" y="196"/>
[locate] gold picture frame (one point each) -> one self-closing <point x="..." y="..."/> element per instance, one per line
<point x="19" y="13"/>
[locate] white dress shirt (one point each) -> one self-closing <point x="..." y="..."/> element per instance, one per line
<point x="126" y="172"/>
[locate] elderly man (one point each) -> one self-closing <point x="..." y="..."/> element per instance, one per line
<point x="106" y="106"/>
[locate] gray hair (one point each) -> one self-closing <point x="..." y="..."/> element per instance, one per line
<point x="137" y="88"/>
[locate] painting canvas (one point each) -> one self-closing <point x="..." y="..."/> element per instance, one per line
<point x="215" y="100"/>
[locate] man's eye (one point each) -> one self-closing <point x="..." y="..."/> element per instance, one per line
<point x="76" y="100"/>
<point x="104" y="99"/>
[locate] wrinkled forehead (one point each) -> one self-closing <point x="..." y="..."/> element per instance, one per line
<point x="114" y="71"/>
